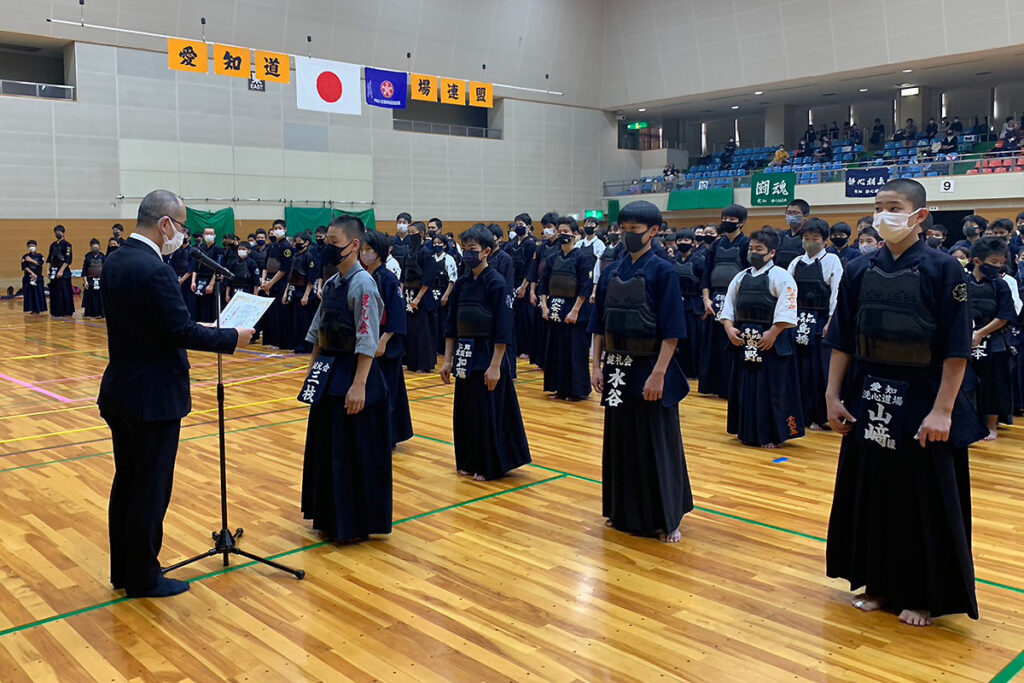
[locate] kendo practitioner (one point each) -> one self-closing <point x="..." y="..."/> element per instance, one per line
<point x="346" y="473"/>
<point x="184" y="271"/>
<point x="112" y="245"/>
<point x="541" y="256"/>
<point x="689" y="269"/>
<point x="418" y="271"/>
<point x="245" y="273"/>
<point x="391" y="347"/>
<point x="842" y="244"/>
<point x="276" y="326"/>
<point x="92" y="269"/>
<point x="32" y="288"/>
<point x="638" y="320"/>
<point x="590" y="246"/>
<point x="759" y="315"/>
<point x="614" y="249"/>
<point x="441" y="286"/>
<point x="260" y="251"/>
<point x="62" y="298"/>
<point x="204" y="279"/>
<point x="725" y="258"/>
<point x="520" y="249"/>
<point x="487" y="425"/>
<point x="145" y="393"/>
<point x="817" y="274"/>
<point x="565" y="288"/>
<point x="296" y="301"/>
<point x="402" y="246"/>
<point x="117" y="234"/>
<point x="991" y="310"/>
<point x="901" y="514"/>
<point x="791" y="244"/>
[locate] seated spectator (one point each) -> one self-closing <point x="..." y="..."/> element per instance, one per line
<point x="823" y="133"/>
<point x="949" y="144"/>
<point x="944" y="125"/>
<point x="846" y="130"/>
<point x="877" y="134"/>
<point x="833" y="131"/>
<point x="809" y="136"/>
<point x="1008" y="125"/>
<point x="727" y="153"/>
<point x="801" y="149"/>
<point x="910" y="130"/>
<point x="823" y="153"/>
<point x="857" y="135"/>
<point x="781" y="157"/>
<point x="956" y="126"/>
<point x="932" y="129"/>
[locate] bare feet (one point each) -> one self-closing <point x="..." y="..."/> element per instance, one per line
<point x="771" y="445"/>
<point x="867" y="603"/>
<point x="815" y="427"/>
<point x="671" y="537"/>
<point x="992" y="435"/>
<point x="916" y="617"/>
<point x="479" y="477"/>
<point x="609" y="522"/>
<point x="464" y="473"/>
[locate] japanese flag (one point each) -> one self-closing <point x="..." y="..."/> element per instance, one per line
<point x="322" y="85"/>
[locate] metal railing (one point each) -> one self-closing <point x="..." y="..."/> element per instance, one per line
<point x="42" y="90"/>
<point x="913" y="167"/>
<point x="447" y="129"/>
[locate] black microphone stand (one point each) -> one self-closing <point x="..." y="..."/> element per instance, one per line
<point x="225" y="542"/>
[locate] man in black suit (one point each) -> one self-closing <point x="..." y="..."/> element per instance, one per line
<point x="145" y="388"/>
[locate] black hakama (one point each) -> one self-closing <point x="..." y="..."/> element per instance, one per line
<point x="34" y="295"/>
<point x="994" y="392"/>
<point x="812" y="367"/>
<point x="302" y="316"/>
<point x="62" y="298"/>
<point x="688" y="349"/>
<point x="567" y="370"/>
<point x="764" y="400"/>
<point x="92" y="303"/>
<point x="401" y="418"/>
<point x="273" y="326"/>
<point x="346" y="473"/>
<point x="420" y="342"/>
<point x="206" y="304"/>
<point x="524" y="315"/>
<point x="716" y="361"/>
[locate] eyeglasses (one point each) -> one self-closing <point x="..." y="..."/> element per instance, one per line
<point x="184" y="228"/>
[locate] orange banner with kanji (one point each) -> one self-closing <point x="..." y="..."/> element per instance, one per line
<point x="453" y="91"/>
<point x="481" y="94"/>
<point x="273" y="67"/>
<point x="229" y="60"/>
<point x="187" y="55"/>
<point x="423" y="87"/>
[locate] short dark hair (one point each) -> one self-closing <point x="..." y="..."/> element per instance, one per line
<point x="281" y="222"/>
<point x="117" y="226"/>
<point x="156" y="205"/>
<point x="404" y="215"/>
<point x="568" y="220"/>
<point x="817" y="225"/>
<point x="642" y="212"/>
<point x="939" y="227"/>
<point x="59" y="227"/>
<point x="980" y="221"/>
<point x="31" y="243"/>
<point x="912" y="190"/>
<point x="321" y="229"/>
<point x="735" y="211"/>
<point x="685" y="234"/>
<point x="94" y="241"/>
<point x="524" y="217"/>
<point x="379" y="243"/>
<point x="804" y="207"/>
<point x="843" y="228"/>
<point x="550" y="218"/>
<point x="419" y="225"/>
<point x="987" y="246"/>
<point x="870" y="232"/>
<point x="1004" y="223"/>
<point x="1020" y="216"/>
<point x="768" y="237"/>
<point x="436" y="221"/>
<point x="496" y="230"/>
<point x="305" y="236"/>
<point x="866" y="219"/>
<point x="260" y="231"/>
<point x="479" y="234"/>
<point x="351" y="226"/>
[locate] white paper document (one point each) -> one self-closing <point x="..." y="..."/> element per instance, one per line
<point x="244" y="310"/>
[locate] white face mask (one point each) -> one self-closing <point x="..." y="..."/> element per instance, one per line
<point x="172" y="245"/>
<point x="242" y="253"/>
<point x="31" y="250"/>
<point x="893" y="227"/>
<point x="209" y="238"/>
<point x="279" y="233"/>
<point x="368" y="258"/>
<point x="403" y="228"/>
<point x="548" y="232"/>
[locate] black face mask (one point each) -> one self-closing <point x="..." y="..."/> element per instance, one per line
<point x="634" y="241"/>
<point x="729" y="227"/>
<point x="564" y="239"/>
<point x="970" y="231"/>
<point x="111" y="248"/>
<point x="934" y="242"/>
<point x="333" y="254"/>
<point x="520" y="230"/>
<point x="988" y="271"/>
<point x="840" y="242"/>
<point x="683" y="247"/>
<point x="710" y="239"/>
<point x="613" y="238"/>
<point x="415" y="240"/>
<point x="320" y="241"/>
<point x="589" y="229"/>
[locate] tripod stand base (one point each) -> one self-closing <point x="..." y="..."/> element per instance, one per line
<point x="224" y="543"/>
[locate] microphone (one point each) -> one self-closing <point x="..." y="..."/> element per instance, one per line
<point x="217" y="268"/>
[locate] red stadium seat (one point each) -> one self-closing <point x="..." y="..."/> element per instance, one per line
<point x="972" y="171"/>
<point x="986" y="170"/>
<point x="1002" y="169"/>
<point x="1007" y="162"/>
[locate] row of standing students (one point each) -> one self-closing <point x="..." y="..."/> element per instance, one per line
<point x="56" y="267"/>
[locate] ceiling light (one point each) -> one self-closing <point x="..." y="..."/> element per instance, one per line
<point x="642" y="109"/>
<point x="759" y="92"/>
<point x="735" y="106"/>
<point x="908" y="71"/>
<point x="909" y="92"/>
<point x="863" y="89"/>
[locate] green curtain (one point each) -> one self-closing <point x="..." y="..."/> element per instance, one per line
<point x="222" y="221"/>
<point x="686" y="200"/>
<point x="304" y="218"/>
<point x="613" y="210"/>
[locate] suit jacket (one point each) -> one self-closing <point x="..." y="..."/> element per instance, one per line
<point x="148" y="330"/>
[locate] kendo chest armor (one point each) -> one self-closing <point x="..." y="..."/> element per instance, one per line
<point x="587" y="250"/>
<point x="630" y="325"/>
<point x="563" y="283"/>
<point x="517" y="252"/>
<point x="790" y="247"/>
<point x="727" y="265"/>
<point x="893" y="324"/>
<point x="982" y="296"/>
<point x="179" y="261"/>
<point x="755" y="304"/>
<point x="94" y="268"/>
<point x="689" y="283"/>
<point x="610" y="256"/>
<point x="411" y="270"/>
<point x="240" y="275"/>
<point x="812" y="294"/>
<point x="203" y="270"/>
<point x="297" y="276"/>
<point x="474" y="317"/>
<point x="274" y="258"/>
<point x="337" y="324"/>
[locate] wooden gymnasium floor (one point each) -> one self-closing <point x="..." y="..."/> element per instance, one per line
<point x="510" y="580"/>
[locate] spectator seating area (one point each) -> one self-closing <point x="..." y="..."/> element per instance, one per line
<point x="1011" y="165"/>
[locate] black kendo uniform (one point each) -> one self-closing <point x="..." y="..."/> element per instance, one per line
<point x="62" y="298"/>
<point x="725" y="259"/>
<point x="541" y="327"/>
<point x="520" y="250"/>
<point x="245" y="275"/>
<point x="420" y="269"/>
<point x="812" y="302"/>
<point x="206" y="304"/>
<point x="259" y="254"/>
<point x="990" y="299"/>
<point x="689" y="270"/>
<point x="92" y="268"/>
<point x="33" y="290"/>
<point x="183" y="267"/>
<point x="790" y="247"/>
<point x="394" y="321"/>
<point x="438" y="286"/>
<point x="566" y="278"/>
<point x="305" y="270"/>
<point x="901" y="515"/>
<point x="277" y="329"/>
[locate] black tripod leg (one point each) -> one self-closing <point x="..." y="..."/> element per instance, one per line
<point x="297" y="573"/>
<point x="209" y="553"/>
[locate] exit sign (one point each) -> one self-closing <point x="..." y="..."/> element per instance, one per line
<point x="636" y="125"/>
